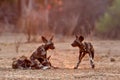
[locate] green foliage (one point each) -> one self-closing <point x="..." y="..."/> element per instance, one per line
<point x="104" y="23"/>
<point x="111" y="19"/>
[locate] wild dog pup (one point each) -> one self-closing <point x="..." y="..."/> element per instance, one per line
<point x="21" y="63"/>
<point x="24" y="63"/>
<point x="84" y="48"/>
<point x="41" y="52"/>
<point x="46" y="63"/>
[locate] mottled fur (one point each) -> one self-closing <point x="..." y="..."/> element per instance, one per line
<point x="24" y="63"/>
<point x="21" y="63"/>
<point x="84" y="48"/>
<point x="41" y="52"/>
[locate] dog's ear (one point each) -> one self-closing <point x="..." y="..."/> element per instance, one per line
<point x="44" y="39"/>
<point x="81" y="38"/>
<point x="76" y="36"/>
<point x="51" y="38"/>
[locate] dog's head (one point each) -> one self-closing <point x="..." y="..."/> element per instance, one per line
<point x="48" y="43"/>
<point x="78" y="41"/>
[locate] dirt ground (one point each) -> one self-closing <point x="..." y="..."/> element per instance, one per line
<point x="65" y="57"/>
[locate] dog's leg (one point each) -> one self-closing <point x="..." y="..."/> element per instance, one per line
<point x="40" y="60"/>
<point x="91" y="56"/>
<point x="81" y="55"/>
<point x="78" y="61"/>
<point x="32" y="59"/>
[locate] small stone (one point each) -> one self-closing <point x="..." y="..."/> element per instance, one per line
<point x="112" y="59"/>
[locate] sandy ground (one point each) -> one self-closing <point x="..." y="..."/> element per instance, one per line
<point x="65" y="57"/>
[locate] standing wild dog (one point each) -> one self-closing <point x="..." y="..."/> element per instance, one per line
<point x="84" y="48"/>
<point x="41" y="52"/>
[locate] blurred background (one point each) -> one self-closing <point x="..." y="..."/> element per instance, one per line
<point x="93" y="18"/>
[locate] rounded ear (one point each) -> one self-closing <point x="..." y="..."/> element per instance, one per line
<point x="81" y="38"/>
<point x="44" y="39"/>
<point x="51" y="38"/>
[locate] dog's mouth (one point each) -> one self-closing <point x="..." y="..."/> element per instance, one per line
<point x="52" y="47"/>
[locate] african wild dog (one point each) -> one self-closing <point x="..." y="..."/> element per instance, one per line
<point x="84" y="48"/>
<point x="21" y="63"/>
<point x="41" y="52"/>
<point x="44" y="65"/>
<point x="24" y="63"/>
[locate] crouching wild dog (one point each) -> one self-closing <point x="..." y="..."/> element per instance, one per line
<point x="21" y="63"/>
<point x="84" y="48"/>
<point x="24" y="63"/>
<point x="41" y="52"/>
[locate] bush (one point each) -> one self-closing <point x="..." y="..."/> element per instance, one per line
<point x="109" y="24"/>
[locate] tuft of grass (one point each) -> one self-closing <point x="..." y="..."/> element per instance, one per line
<point x="17" y="46"/>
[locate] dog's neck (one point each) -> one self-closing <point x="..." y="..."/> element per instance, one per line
<point x="46" y="47"/>
<point x="82" y="46"/>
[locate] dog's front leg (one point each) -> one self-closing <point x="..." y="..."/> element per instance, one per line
<point x="79" y="60"/>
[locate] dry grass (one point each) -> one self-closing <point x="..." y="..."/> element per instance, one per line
<point x="64" y="57"/>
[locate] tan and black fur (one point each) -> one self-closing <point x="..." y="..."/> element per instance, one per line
<point x="46" y="64"/>
<point x="84" y="48"/>
<point x="21" y="63"/>
<point x="24" y="63"/>
<point x="41" y="52"/>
